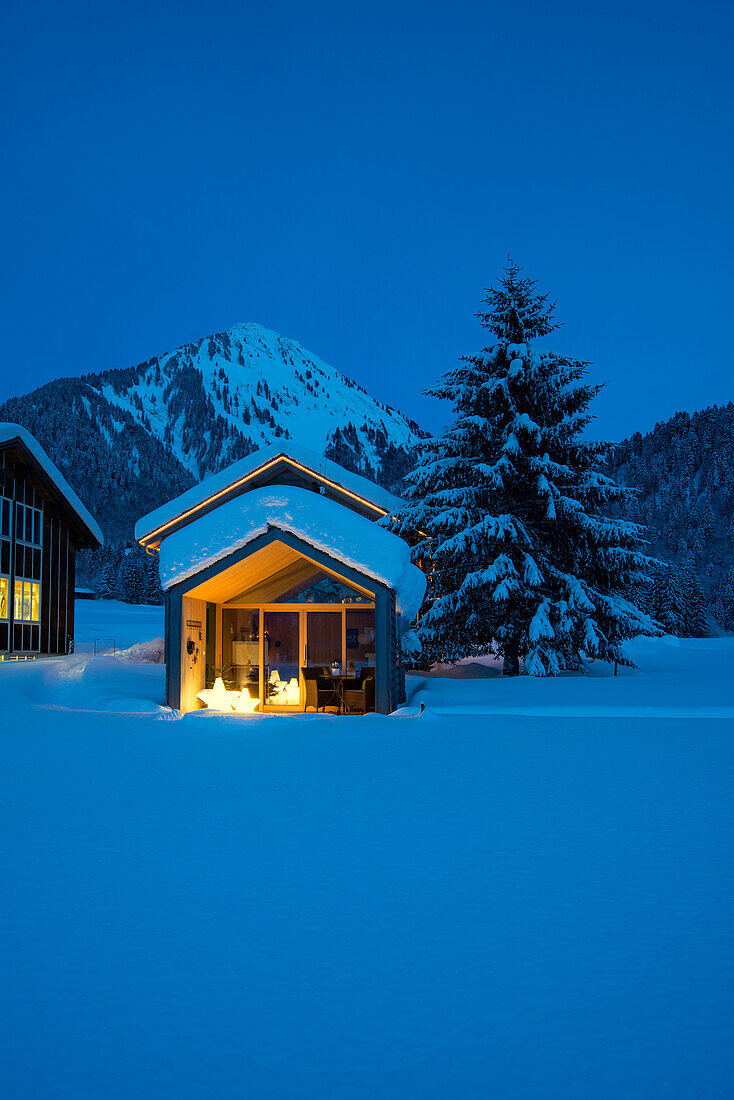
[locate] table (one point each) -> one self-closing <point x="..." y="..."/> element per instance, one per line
<point x="336" y="684"/>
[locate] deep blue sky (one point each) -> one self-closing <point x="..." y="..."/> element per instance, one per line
<point x="354" y="177"/>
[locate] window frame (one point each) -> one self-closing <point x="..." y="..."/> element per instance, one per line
<point x="21" y="524"/>
<point x="26" y="593"/>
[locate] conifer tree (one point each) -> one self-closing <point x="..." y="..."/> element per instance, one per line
<point x="152" y="591"/>
<point x="106" y="588"/>
<point x="664" y="599"/>
<point x="505" y="508"/>
<point x="130" y="582"/>
<point x="695" y="617"/>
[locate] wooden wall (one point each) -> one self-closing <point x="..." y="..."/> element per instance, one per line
<point x="193" y="665"/>
<point x="57" y="585"/>
<point x="397" y="668"/>
<point x="47" y="558"/>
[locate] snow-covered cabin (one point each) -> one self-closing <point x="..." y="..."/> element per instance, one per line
<point x="276" y="573"/>
<point x="42" y="525"/>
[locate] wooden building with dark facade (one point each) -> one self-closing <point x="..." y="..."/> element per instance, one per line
<point x="42" y="525"/>
<point x="283" y="591"/>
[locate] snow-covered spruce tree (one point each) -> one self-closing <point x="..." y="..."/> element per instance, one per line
<point x="505" y="509"/>
<point x="664" y="599"/>
<point x="152" y="591"/>
<point x="674" y="598"/>
<point x="131" y="584"/>
<point x="696" y="621"/>
<point x="106" y="587"/>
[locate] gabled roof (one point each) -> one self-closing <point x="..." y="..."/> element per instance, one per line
<point x="18" y="437"/>
<point x="231" y="481"/>
<point x="345" y="536"/>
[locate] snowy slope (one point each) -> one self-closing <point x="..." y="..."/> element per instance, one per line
<point x="251" y="384"/>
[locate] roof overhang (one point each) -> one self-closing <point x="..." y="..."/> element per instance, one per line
<point x="352" y="489"/>
<point x="85" y="529"/>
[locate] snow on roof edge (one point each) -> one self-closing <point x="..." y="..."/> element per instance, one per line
<point x="352" y="539"/>
<point x="10" y="431"/>
<point x="216" y="483"/>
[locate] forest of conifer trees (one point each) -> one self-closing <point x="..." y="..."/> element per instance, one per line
<point x="684" y="473"/>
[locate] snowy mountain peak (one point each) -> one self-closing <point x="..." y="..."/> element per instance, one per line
<point x="150" y="431"/>
<point x="230" y="393"/>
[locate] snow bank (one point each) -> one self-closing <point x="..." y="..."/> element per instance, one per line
<point x="151" y="652"/>
<point x="322" y="523"/>
<point x="684" y="679"/>
<point x="82" y="684"/>
<point x="9" y="431"/>
<point x="221" y="481"/>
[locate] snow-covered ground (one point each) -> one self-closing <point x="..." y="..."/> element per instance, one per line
<point x="111" y="620"/>
<point x="526" y="891"/>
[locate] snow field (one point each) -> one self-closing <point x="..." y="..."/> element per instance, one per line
<point x="483" y="903"/>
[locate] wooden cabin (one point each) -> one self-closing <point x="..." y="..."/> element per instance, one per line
<point x="42" y="525"/>
<point x="281" y="589"/>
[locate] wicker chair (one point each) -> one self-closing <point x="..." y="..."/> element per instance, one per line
<point x="359" y="694"/>
<point x="320" y="692"/>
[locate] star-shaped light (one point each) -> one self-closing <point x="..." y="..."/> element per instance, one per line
<point x="246" y="704"/>
<point x="217" y="697"/>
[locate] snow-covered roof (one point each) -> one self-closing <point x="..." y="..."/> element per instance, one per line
<point x="238" y="471"/>
<point x="10" y="432"/>
<point x="345" y="535"/>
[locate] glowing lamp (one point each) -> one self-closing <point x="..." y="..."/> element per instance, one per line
<point x="217" y="697"/>
<point x="292" y="692"/>
<point x="246" y="704"/>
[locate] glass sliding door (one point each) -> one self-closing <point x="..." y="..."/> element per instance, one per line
<point x="324" y="639"/>
<point x="360" y="640"/>
<point x="240" y="650"/>
<point x="281" y="658"/>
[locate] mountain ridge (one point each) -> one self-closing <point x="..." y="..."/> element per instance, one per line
<point x="130" y="438"/>
<point x="256" y="385"/>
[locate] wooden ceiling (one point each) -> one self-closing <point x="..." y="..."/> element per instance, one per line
<point x="263" y="576"/>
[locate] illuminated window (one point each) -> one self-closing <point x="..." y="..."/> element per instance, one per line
<point x="3" y="597"/>
<point x="27" y="602"/>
